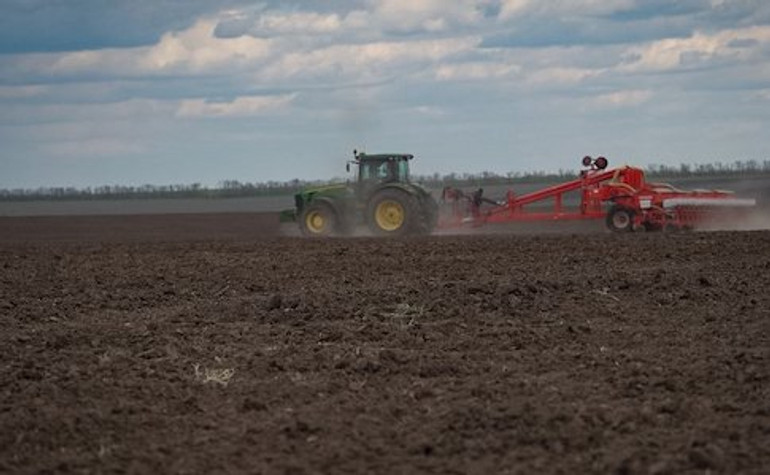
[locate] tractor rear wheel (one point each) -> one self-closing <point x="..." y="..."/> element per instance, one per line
<point x="392" y="212"/>
<point x="318" y="220"/>
<point x="620" y="219"/>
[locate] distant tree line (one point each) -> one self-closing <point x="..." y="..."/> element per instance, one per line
<point x="736" y="168"/>
<point x="226" y="189"/>
<point x="238" y="189"/>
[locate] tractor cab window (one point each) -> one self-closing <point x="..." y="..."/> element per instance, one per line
<point x="403" y="171"/>
<point x="368" y="171"/>
<point x="385" y="171"/>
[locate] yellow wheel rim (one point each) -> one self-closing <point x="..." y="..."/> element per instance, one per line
<point x="315" y="222"/>
<point x="389" y="215"/>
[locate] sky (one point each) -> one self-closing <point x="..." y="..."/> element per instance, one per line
<point x="131" y="92"/>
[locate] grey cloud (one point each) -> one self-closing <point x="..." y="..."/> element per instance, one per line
<point x="647" y="20"/>
<point x="734" y="13"/>
<point x="649" y="9"/>
<point x="234" y="27"/>
<point x="534" y="33"/>
<point x="244" y="22"/>
<point x="38" y="26"/>
<point x="743" y="43"/>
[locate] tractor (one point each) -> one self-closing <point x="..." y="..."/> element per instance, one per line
<point x="383" y="198"/>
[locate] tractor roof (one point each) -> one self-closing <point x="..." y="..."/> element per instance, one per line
<point x="385" y="156"/>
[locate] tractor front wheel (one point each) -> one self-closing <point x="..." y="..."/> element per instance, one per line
<point x="620" y="219"/>
<point x="318" y="220"/>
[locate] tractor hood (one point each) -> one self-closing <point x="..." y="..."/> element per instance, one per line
<point x="334" y="189"/>
<point x="308" y="195"/>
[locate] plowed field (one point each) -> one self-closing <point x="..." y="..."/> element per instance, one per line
<point x="210" y="344"/>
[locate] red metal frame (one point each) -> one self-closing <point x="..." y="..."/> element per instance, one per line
<point x="622" y="191"/>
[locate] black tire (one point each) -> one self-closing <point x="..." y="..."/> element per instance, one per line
<point x="620" y="219"/>
<point x="393" y="212"/>
<point x="318" y="220"/>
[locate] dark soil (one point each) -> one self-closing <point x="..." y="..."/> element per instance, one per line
<point x="589" y="353"/>
<point x="140" y="228"/>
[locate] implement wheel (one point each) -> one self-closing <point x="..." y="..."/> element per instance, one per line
<point x="318" y="220"/>
<point x="392" y="212"/>
<point x="620" y="219"/>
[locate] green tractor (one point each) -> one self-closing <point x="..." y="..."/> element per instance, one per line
<point x="383" y="198"/>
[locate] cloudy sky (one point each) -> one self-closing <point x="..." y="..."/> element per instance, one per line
<point x="97" y="92"/>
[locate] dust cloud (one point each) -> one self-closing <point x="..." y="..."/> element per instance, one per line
<point x="755" y="219"/>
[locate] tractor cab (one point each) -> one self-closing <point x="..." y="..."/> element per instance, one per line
<point x="377" y="171"/>
<point x="382" y="168"/>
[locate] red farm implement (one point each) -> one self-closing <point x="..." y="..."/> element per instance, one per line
<point x="620" y="196"/>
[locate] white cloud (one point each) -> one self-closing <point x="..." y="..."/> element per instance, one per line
<point x="627" y="98"/>
<point x="195" y="50"/>
<point x="561" y="75"/>
<point x="476" y="71"/>
<point x="143" y="110"/>
<point x="244" y="106"/>
<point x="698" y="50"/>
<point x="373" y="23"/>
<point x="427" y="15"/>
<point x="198" y="51"/>
<point x="75" y="112"/>
<point x="514" y="8"/>
<point x="365" y="62"/>
<point x="297" y="23"/>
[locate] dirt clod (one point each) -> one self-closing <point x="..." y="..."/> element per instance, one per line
<point x="274" y="302"/>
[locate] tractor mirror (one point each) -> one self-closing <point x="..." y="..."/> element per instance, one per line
<point x="347" y="167"/>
